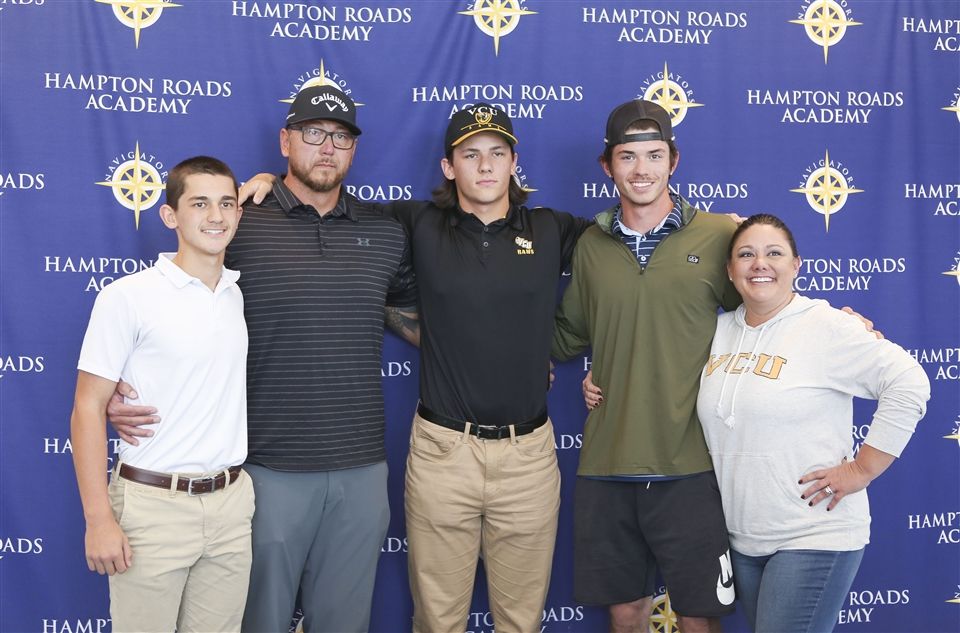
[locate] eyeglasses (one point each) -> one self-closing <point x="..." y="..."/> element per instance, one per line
<point x="317" y="136"/>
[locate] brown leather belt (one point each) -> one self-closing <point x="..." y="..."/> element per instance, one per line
<point x="189" y="485"/>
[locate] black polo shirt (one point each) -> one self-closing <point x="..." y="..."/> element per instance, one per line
<point x="487" y="300"/>
<point x="314" y="290"/>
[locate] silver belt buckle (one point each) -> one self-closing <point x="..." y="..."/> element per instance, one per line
<point x="200" y="480"/>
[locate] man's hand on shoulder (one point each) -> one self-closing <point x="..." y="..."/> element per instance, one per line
<point x="127" y="419"/>
<point x="256" y="189"/>
<point x="867" y="323"/>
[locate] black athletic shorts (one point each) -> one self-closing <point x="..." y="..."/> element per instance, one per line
<point x="625" y="531"/>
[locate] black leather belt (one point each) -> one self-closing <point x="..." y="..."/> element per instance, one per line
<point x="483" y="431"/>
<point x="189" y="485"/>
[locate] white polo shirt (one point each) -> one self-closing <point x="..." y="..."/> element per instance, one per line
<point x="183" y="348"/>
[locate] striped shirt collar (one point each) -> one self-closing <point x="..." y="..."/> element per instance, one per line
<point x="289" y="202"/>
<point x="673" y="220"/>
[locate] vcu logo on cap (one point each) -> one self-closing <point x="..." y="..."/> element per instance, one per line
<point x="483" y="116"/>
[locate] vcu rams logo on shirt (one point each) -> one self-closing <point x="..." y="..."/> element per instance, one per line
<point x="525" y="246"/>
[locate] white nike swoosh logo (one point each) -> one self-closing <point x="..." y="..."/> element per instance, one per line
<point x="725" y="592"/>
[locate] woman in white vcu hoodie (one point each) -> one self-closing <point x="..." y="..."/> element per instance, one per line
<point x="776" y="405"/>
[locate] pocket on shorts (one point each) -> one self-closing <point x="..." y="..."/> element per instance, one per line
<point x="539" y="443"/>
<point x="432" y="441"/>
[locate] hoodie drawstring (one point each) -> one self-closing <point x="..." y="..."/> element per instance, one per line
<point x="730" y="420"/>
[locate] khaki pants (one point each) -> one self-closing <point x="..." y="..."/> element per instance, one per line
<point x="191" y="558"/>
<point x="466" y="496"/>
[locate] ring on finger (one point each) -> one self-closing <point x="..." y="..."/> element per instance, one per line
<point x="828" y="490"/>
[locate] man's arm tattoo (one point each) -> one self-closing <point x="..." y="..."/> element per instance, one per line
<point x="405" y="322"/>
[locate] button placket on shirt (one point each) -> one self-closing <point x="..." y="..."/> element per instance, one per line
<point x="486" y="241"/>
<point x="321" y="234"/>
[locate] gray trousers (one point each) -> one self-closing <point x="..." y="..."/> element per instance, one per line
<point x="318" y="534"/>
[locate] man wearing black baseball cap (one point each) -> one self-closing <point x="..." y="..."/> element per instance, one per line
<point x="482" y="473"/>
<point x="648" y="280"/>
<point x="316" y="264"/>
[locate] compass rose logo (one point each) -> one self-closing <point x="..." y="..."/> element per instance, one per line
<point x="826" y="189"/>
<point x="136" y="184"/>
<point x="955" y="106"/>
<point x="663" y="619"/>
<point x="497" y="18"/>
<point x="138" y="14"/>
<point x="671" y="96"/>
<point x="956" y="596"/>
<point x="320" y="77"/>
<point x="955" y="435"/>
<point x="825" y="24"/>
<point x="955" y="269"/>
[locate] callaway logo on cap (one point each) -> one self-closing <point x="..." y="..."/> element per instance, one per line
<point x="323" y="102"/>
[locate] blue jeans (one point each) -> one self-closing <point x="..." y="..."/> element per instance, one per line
<point x="794" y="591"/>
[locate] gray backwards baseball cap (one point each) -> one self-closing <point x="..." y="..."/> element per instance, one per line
<point x="323" y="102"/>
<point x="630" y="112"/>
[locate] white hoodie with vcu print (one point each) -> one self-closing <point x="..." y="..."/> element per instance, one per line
<point x="776" y="402"/>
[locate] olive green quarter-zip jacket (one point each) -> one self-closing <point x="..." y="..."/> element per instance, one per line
<point x="650" y="329"/>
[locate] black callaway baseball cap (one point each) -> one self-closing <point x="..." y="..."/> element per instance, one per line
<point x="323" y="102"/>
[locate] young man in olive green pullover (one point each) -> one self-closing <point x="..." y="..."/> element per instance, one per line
<point x="648" y="280"/>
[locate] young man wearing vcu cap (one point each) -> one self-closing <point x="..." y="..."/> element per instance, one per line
<point x="482" y="472"/>
<point x="318" y="267"/>
<point x="648" y="280"/>
<point x="173" y="528"/>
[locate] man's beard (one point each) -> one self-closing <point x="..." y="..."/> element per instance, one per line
<point x="320" y="184"/>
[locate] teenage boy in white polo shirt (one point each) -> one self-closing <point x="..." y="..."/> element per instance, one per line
<point x="173" y="528"/>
